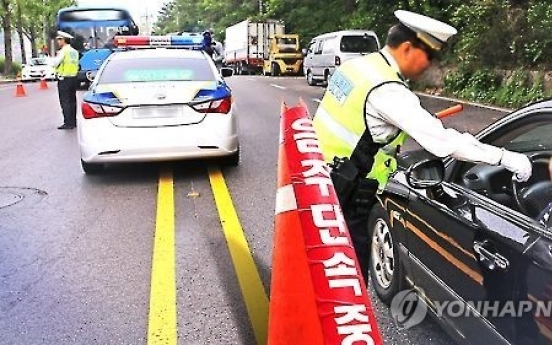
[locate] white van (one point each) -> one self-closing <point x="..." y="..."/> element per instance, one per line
<point x="327" y="51"/>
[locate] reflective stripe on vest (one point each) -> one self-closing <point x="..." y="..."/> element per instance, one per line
<point x="69" y="65"/>
<point x="342" y="110"/>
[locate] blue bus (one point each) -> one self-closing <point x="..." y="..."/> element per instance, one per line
<point x="93" y="29"/>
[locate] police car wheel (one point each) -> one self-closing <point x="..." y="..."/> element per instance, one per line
<point x="386" y="271"/>
<point x="91" y="168"/>
<point x="233" y="159"/>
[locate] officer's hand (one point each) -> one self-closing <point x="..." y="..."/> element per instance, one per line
<point x="519" y="164"/>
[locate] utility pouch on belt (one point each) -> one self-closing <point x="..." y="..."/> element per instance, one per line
<point x="344" y="176"/>
<point x="353" y="189"/>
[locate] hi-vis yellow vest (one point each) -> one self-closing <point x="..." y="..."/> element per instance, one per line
<point x="69" y="66"/>
<point x="340" y="119"/>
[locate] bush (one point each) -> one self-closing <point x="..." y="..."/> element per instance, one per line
<point x="493" y="87"/>
<point x="519" y="89"/>
<point x="15" y="70"/>
<point x="479" y="85"/>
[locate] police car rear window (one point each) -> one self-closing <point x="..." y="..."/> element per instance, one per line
<point x="358" y="44"/>
<point x="156" y="69"/>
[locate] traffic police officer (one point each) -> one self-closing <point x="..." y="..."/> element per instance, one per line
<point x="371" y="92"/>
<point x="66" y="63"/>
<point x="207" y="43"/>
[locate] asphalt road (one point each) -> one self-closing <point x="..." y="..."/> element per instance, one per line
<point x="76" y="251"/>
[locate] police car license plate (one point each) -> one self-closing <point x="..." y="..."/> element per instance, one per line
<point x="157" y="112"/>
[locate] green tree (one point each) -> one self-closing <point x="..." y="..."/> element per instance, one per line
<point x="31" y="19"/>
<point x="5" y="16"/>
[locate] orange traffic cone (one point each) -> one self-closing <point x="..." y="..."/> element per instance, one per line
<point x="20" y="90"/>
<point x="293" y="314"/>
<point x="316" y="294"/>
<point x="43" y="84"/>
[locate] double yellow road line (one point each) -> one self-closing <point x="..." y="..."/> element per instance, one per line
<point x="162" y="325"/>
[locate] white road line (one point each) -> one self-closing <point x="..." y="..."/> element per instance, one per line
<point x="278" y="86"/>
<point x="478" y="105"/>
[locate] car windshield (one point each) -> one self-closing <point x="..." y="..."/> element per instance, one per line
<point x="156" y="69"/>
<point x="38" y="62"/>
<point x="358" y="44"/>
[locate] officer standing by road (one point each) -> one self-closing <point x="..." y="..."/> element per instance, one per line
<point x="369" y="105"/>
<point x="66" y="63"/>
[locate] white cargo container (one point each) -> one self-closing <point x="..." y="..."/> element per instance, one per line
<point x="247" y="43"/>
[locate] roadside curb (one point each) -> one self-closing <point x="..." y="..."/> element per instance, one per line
<point x="453" y="100"/>
<point x="507" y="110"/>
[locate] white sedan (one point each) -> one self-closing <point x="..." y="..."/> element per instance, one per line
<point x="38" y="68"/>
<point x="157" y="105"/>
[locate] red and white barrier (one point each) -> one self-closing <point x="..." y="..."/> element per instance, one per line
<point x="318" y="295"/>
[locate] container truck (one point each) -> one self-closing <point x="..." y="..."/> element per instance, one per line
<point x="262" y="47"/>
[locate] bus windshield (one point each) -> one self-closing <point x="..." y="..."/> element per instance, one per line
<point x="95" y="28"/>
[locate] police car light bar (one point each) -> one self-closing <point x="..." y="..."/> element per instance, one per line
<point x="190" y="42"/>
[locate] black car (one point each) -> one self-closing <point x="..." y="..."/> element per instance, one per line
<point x="472" y="243"/>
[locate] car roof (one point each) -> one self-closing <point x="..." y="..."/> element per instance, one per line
<point x="346" y="32"/>
<point x="158" y="53"/>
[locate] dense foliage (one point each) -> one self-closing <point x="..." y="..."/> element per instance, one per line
<point x="32" y="19"/>
<point x="493" y="58"/>
<point x="497" y="31"/>
<point x="495" y="36"/>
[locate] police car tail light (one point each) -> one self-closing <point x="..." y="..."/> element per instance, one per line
<point x="92" y="110"/>
<point x="221" y="106"/>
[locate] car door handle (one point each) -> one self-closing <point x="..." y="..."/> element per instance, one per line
<point x="491" y="260"/>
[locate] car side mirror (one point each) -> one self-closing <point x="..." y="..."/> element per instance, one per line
<point x="425" y="174"/>
<point x="304" y="51"/>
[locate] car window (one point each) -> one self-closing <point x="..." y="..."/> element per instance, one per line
<point x="286" y="41"/>
<point x="536" y="136"/>
<point x="311" y="48"/>
<point x="318" y="49"/>
<point x="533" y="134"/>
<point x="358" y="44"/>
<point x="155" y="69"/>
<point x="286" y="44"/>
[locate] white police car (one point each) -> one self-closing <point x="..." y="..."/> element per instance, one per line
<point x="38" y="68"/>
<point x="157" y="104"/>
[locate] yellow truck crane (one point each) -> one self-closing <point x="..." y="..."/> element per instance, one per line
<point x="262" y="46"/>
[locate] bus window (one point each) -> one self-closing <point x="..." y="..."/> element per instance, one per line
<point x="93" y="29"/>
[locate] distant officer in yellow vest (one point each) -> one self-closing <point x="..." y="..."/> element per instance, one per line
<point x="372" y="92"/>
<point x="66" y="63"/>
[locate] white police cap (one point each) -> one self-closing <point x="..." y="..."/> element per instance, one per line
<point x="432" y="32"/>
<point x="62" y="34"/>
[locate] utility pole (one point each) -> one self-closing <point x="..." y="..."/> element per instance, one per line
<point x="145" y="20"/>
